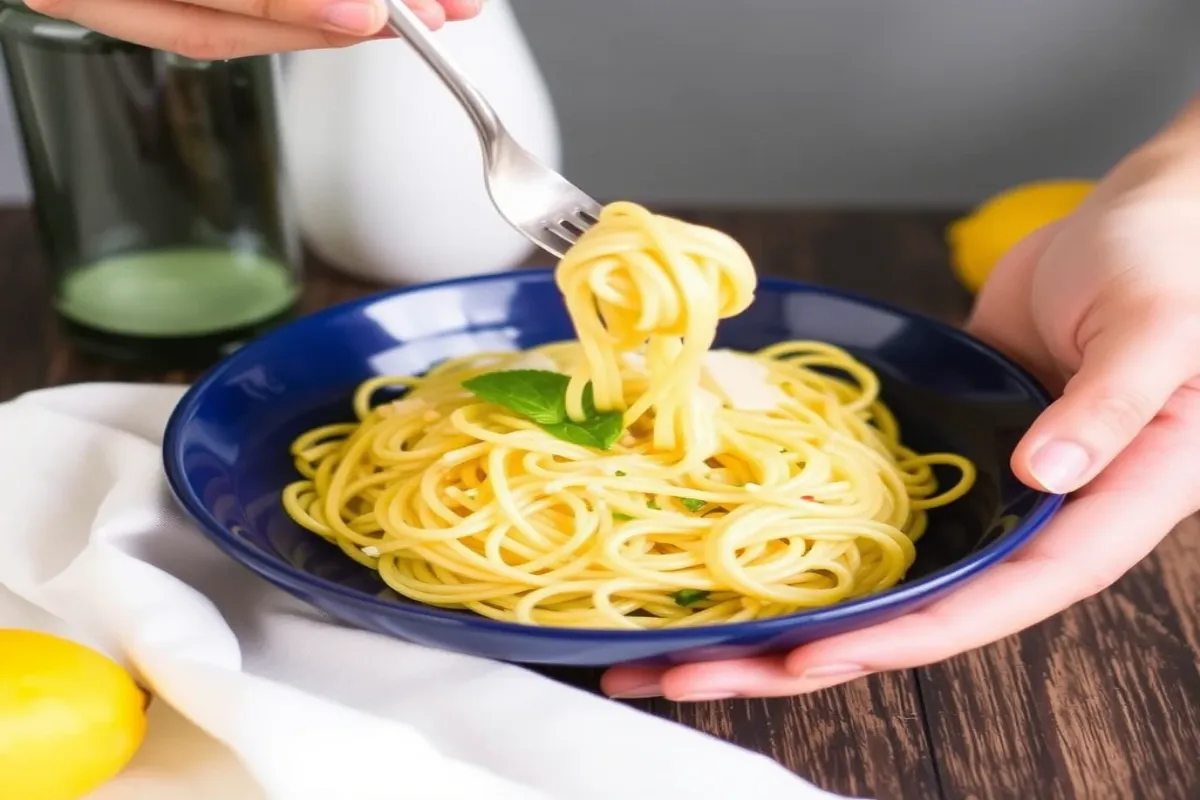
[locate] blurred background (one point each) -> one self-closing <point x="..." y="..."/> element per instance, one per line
<point x="842" y="102"/>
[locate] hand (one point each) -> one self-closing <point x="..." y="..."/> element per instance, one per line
<point x="214" y="30"/>
<point x="1104" y="305"/>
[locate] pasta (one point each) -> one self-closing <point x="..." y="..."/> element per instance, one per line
<point x="633" y="478"/>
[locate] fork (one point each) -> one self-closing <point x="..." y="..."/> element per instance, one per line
<point x="543" y="205"/>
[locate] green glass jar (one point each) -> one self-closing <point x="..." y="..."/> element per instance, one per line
<point x="158" y="190"/>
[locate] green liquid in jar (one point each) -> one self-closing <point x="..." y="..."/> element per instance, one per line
<point x="172" y="293"/>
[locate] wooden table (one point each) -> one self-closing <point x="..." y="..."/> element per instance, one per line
<point x="1100" y="702"/>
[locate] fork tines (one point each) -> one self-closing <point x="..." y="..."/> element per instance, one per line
<point x="567" y="228"/>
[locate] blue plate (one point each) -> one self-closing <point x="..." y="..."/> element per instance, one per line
<point x="226" y="453"/>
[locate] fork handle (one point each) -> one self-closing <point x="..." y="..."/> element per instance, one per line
<point x="414" y="31"/>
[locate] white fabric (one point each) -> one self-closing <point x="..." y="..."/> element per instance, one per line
<point x="259" y="696"/>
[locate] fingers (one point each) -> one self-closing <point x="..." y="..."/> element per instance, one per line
<point x="190" y="30"/>
<point x="222" y="29"/>
<point x="356" y="17"/>
<point x="1098" y="536"/>
<point x="630" y="683"/>
<point x="462" y="9"/>
<point x="1003" y="314"/>
<point x="1128" y="373"/>
<point x="718" y="680"/>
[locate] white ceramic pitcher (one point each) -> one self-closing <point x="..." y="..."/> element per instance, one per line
<point x="384" y="165"/>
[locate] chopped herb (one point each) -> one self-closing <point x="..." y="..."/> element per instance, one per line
<point x="541" y="397"/>
<point x="620" y="517"/>
<point x="687" y="597"/>
<point x="692" y="504"/>
<point x="652" y="504"/>
<point x="620" y="474"/>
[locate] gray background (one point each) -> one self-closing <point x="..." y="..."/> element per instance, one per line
<point x="844" y="102"/>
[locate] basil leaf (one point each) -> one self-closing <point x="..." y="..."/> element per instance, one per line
<point x="534" y="394"/>
<point x="599" y="432"/>
<point x="620" y="474"/>
<point x="692" y="504"/>
<point x="541" y="397"/>
<point x="687" y="597"/>
<point x="652" y="505"/>
<point x="621" y="517"/>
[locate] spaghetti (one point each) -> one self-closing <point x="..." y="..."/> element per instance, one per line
<point x="633" y="478"/>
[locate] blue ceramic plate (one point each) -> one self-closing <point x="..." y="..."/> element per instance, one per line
<point x="226" y="452"/>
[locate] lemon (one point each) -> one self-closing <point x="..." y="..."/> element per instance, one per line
<point x="70" y="718"/>
<point x="979" y="240"/>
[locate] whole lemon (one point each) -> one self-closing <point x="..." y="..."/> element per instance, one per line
<point x="70" y="718"/>
<point x="979" y="240"/>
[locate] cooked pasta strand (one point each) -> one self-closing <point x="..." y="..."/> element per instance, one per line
<point x="744" y="485"/>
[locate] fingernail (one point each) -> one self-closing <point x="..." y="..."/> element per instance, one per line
<point x="638" y="692"/>
<point x="352" y="16"/>
<point x="705" y="697"/>
<point x="1058" y="466"/>
<point x="832" y="671"/>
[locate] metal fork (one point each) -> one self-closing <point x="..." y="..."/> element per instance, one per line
<point x="533" y="198"/>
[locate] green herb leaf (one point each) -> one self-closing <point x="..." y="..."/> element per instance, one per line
<point x="600" y="431"/>
<point x="535" y="394"/>
<point x="620" y="474"/>
<point x="687" y="597"/>
<point x="652" y="504"/>
<point x="621" y="517"/>
<point x="692" y="504"/>
<point x="541" y="397"/>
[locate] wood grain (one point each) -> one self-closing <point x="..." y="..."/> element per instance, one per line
<point x="864" y="740"/>
<point x="1101" y="702"/>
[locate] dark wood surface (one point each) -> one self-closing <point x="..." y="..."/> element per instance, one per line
<point x="1101" y="702"/>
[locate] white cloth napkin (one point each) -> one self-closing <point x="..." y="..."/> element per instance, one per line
<point x="259" y="696"/>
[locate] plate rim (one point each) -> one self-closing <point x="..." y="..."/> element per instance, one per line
<point x="279" y="572"/>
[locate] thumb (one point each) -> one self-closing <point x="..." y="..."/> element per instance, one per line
<point x="1128" y="372"/>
